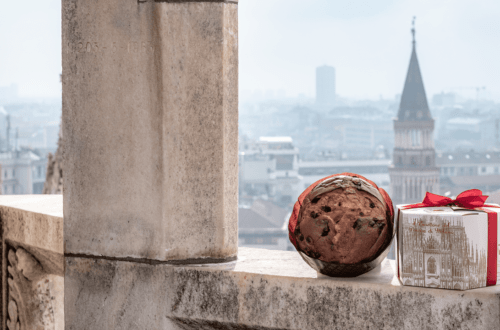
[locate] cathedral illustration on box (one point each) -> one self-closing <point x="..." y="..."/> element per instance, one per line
<point x="448" y="252"/>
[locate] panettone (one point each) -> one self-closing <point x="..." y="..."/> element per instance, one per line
<point x="342" y="224"/>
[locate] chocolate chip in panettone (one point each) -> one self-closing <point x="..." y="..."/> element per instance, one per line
<point x="308" y="239"/>
<point x="326" y="208"/>
<point x="361" y="213"/>
<point x="316" y="255"/>
<point x="301" y="237"/>
<point x="326" y="230"/>
<point x="315" y="200"/>
<point x="314" y="215"/>
<point x="340" y="203"/>
<point x="297" y="230"/>
<point x="357" y="224"/>
<point x="372" y="205"/>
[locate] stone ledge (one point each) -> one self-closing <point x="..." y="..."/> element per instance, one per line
<point x="263" y="290"/>
<point x="32" y="283"/>
<point x="35" y="223"/>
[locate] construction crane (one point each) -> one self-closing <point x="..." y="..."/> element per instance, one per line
<point x="477" y="89"/>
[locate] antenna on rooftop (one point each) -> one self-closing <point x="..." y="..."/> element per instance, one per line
<point x="8" y="132"/>
<point x="17" y="138"/>
<point x="413" y="30"/>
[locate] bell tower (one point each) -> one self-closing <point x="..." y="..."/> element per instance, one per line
<point x="413" y="170"/>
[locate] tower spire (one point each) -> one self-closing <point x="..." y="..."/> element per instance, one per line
<point x="413" y="104"/>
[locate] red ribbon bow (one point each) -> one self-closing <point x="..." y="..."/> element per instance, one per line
<point x="469" y="199"/>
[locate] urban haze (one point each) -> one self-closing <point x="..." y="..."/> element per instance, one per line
<point x="320" y="83"/>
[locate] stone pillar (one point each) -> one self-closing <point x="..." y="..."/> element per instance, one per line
<point x="151" y="129"/>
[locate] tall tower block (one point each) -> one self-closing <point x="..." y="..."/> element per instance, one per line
<point x="325" y="85"/>
<point x="414" y="169"/>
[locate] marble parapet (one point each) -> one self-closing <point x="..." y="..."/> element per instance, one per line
<point x="263" y="290"/>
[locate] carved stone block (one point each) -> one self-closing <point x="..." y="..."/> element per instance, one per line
<point x="33" y="297"/>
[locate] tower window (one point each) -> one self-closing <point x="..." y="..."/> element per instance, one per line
<point x="413" y="161"/>
<point x="415" y="137"/>
<point x="428" y="160"/>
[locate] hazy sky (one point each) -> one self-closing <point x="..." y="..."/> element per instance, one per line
<point x="282" y="42"/>
<point x="369" y="44"/>
<point x="30" y="46"/>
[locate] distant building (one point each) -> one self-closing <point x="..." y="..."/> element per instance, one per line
<point x="470" y="131"/>
<point x="264" y="225"/>
<point x="444" y="99"/>
<point x="269" y="167"/>
<point x="374" y="170"/>
<point x="468" y="170"/>
<point x="325" y="85"/>
<point x="414" y="170"/>
<point x="23" y="172"/>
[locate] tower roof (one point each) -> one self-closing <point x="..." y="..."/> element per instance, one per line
<point x="413" y="105"/>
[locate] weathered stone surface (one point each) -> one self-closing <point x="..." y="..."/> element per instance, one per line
<point x="35" y="298"/>
<point x="33" y="220"/>
<point x="150" y="127"/>
<point x="54" y="177"/>
<point x="262" y="290"/>
<point x="32" y="262"/>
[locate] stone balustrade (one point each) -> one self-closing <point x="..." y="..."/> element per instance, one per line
<point x="263" y="289"/>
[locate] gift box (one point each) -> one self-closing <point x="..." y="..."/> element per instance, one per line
<point x="449" y="244"/>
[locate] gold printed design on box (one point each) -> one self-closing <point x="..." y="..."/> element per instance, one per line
<point x="437" y="252"/>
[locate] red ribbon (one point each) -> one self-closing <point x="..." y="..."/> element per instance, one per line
<point x="470" y="199"/>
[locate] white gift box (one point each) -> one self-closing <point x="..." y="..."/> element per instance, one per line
<point x="448" y="247"/>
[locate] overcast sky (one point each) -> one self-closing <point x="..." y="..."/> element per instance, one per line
<point x="369" y="44"/>
<point x="283" y="41"/>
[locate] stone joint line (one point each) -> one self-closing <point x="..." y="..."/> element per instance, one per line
<point x="186" y="1"/>
<point x="184" y="262"/>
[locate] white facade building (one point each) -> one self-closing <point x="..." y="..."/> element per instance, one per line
<point x="376" y="170"/>
<point x="23" y="172"/>
<point x="269" y="167"/>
